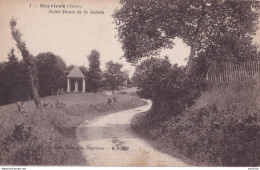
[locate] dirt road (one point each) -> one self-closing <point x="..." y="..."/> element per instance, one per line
<point x="109" y="141"/>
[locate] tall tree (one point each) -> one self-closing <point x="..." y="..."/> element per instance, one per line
<point x="12" y="77"/>
<point x="51" y="69"/>
<point x="14" y="86"/>
<point x="29" y="63"/>
<point x="94" y="74"/>
<point x="3" y="99"/>
<point x="114" y="75"/>
<point x="145" y="27"/>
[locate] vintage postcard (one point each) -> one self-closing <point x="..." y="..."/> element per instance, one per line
<point x="106" y="83"/>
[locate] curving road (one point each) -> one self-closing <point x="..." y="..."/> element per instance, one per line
<point x="109" y="141"/>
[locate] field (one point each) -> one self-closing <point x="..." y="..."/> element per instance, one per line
<point x="48" y="136"/>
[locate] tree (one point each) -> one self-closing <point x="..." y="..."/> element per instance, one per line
<point x="14" y="86"/>
<point x="12" y="73"/>
<point x="166" y="85"/>
<point x="148" y="75"/>
<point x="29" y="63"/>
<point x="51" y="69"/>
<point x="84" y="70"/>
<point x="12" y="78"/>
<point x="145" y="27"/>
<point x="69" y="68"/>
<point x="114" y="75"/>
<point x="3" y="99"/>
<point x="94" y="73"/>
<point x="24" y="83"/>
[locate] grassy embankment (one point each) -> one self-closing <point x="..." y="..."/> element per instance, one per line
<point x="41" y="137"/>
<point x="221" y="129"/>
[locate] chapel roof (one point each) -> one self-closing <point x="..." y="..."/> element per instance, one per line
<point x="76" y="73"/>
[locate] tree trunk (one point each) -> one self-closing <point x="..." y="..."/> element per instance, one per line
<point x="29" y="63"/>
<point x="31" y="67"/>
<point x="36" y="97"/>
<point x="191" y="62"/>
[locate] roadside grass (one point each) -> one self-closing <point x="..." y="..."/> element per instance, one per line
<point x="221" y="129"/>
<point x="48" y="137"/>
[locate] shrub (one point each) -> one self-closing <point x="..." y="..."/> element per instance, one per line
<point x="220" y="138"/>
<point x="167" y="86"/>
<point x="177" y="92"/>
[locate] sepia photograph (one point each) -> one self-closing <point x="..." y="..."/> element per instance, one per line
<point x="129" y="83"/>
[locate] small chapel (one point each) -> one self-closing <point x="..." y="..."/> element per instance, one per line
<point x="76" y="81"/>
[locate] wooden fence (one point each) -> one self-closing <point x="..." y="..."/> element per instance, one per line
<point x="226" y="72"/>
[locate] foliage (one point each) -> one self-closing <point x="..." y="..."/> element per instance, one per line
<point x="15" y="85"/>
<point x="167" y="86"/>
<point x="145" y="27"/>
<point x="29" y="63"/>
<point x="51" y="69"/>
<point x="148" y="76"/>
<point x="84" y="70"/>
<point x="114" y="75"/>
<point x="94" y="74"/>
<point x="230" y="48"/>
<point x="69" y="68"/>
<point x="2" y="85"/>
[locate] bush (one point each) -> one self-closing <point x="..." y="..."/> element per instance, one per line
<point x="219" y="138"/>
<point x="177" y="92"/>
<point x="170" y="90"/>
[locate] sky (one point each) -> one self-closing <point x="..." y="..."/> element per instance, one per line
<point x="71" y="36"/>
